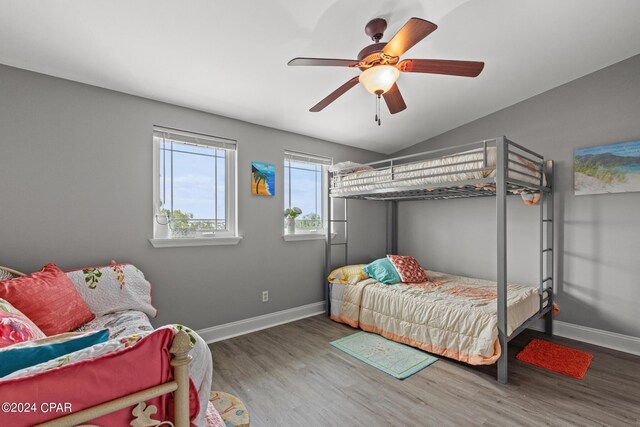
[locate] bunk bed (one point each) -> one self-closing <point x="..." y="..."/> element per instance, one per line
<point x="490" y="168"/>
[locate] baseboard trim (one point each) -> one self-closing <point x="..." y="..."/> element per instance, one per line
<point x="611" y="340"/>
<point x="253" y="324"/>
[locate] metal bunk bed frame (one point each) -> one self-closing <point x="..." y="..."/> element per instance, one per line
<point x="500" y="185"/>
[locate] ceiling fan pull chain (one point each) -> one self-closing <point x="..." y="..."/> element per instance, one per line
<point x="376" y="118"/>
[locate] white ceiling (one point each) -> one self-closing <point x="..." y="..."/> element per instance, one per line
<point x="229" y="57"/>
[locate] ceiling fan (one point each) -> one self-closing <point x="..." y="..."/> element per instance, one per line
<point x="381" y="66"/>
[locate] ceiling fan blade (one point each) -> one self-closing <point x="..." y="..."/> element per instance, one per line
<point x="394" y="100"/>
<point x="413" y="31"/>
<point x="323" y="62"/>
<point x="334" y="95"/>
<point x="441" y="66"/>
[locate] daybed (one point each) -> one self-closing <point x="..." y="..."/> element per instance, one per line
<point x="139" y="376"/>
<point x="462" y="318"/>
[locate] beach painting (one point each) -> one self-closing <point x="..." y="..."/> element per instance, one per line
<point x="613" y="168"/>
<point x="263" y="178"/>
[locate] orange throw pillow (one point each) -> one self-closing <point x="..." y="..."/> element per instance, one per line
<point x="49" y="299"/>
<point x="408" y="269"/>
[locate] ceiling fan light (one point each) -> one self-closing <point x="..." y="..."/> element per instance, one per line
<point x="379" y="79"/>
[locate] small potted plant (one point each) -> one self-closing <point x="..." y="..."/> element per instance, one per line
<point x="290" y="215"/>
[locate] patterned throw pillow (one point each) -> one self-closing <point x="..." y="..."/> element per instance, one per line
<point x="15" y="327"/>
<point x="349" y="274"/>
<point x="408" y="269"/>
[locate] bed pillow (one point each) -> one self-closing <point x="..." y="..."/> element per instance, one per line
<point x="348" y="275"/>
<point x="408" y="269"/>
<point x="49" y="299"/>
<point x="15" y="327"/>
<point x="20" y="356"/>
<point x="383" y="271"/>
<point x="114" y="287"/>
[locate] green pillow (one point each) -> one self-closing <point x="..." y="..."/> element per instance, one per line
<point x="383" y="271"/>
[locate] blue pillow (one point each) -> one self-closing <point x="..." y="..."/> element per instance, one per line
<point x="383" y="271"/>
<point x="23" y="356"/>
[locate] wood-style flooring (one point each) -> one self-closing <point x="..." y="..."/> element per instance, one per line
<point x="289" y="375"/>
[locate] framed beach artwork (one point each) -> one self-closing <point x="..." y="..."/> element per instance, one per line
<point x="612" y="168"/>
<point x="263" y="179"/>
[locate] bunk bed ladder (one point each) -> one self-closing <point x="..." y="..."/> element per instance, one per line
<point x="546" y="248"/>
<point x="330" y="243"/>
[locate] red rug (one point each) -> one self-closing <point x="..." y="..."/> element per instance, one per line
<point x="558" y="358"/>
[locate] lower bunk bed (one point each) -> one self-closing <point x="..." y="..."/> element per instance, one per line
<point x="452" y="316"/>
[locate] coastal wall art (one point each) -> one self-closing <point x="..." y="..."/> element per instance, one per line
<point x="263" y="179"/>
<point x="612" y="168"/>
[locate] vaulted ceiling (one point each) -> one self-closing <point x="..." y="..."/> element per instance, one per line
<point x="230" y="57"/>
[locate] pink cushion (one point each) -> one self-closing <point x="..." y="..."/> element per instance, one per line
<point x="408" y="269"/>
<point x="49" y="299"/>
<point x="15" y="327"/>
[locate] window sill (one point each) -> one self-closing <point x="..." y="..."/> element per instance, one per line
<point x="303" y="236"/>
<point x="195" y="241"/>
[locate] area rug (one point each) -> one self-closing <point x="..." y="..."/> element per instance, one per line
<point x="232" y="410"/>
<point x="393" y="358"/>
<point x="567" y="361"/>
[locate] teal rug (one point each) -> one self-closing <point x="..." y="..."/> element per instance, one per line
<point x="395" y="359"/>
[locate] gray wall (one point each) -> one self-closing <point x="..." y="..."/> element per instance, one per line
<point x="76" y="189"/>
<point x="598" y="236"/>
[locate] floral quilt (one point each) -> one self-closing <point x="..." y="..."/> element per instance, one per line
<point x="120" y="324"/>
<point x="115" y="287"/>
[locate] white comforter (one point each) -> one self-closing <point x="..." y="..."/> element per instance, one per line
<point x="453" y="316"/>
<point x="440" y="170"/>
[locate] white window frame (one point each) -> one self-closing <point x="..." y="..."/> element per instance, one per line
<point x="319" y="233"/>
<point x="223" y="237"/>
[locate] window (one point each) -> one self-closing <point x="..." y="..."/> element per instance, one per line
<point x="194" y="187"/>
<point x="305" y="185"/>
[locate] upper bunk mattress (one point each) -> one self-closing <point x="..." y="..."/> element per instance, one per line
<point x="453" y="316"/>
<point x="455" y="168"/>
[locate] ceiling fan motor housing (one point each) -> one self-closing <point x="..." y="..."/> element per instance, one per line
<point x="375" y="29"/>
<point x="372" y="55"/>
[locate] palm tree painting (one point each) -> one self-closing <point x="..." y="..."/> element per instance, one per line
<point x="263" y="177"/>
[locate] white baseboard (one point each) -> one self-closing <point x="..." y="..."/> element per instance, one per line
<point x="611" y="340"/>
<point x="599" y="337"/>
<point x="253" y="324"/>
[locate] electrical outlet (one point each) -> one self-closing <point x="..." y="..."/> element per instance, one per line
<point x="265" y="296"/>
